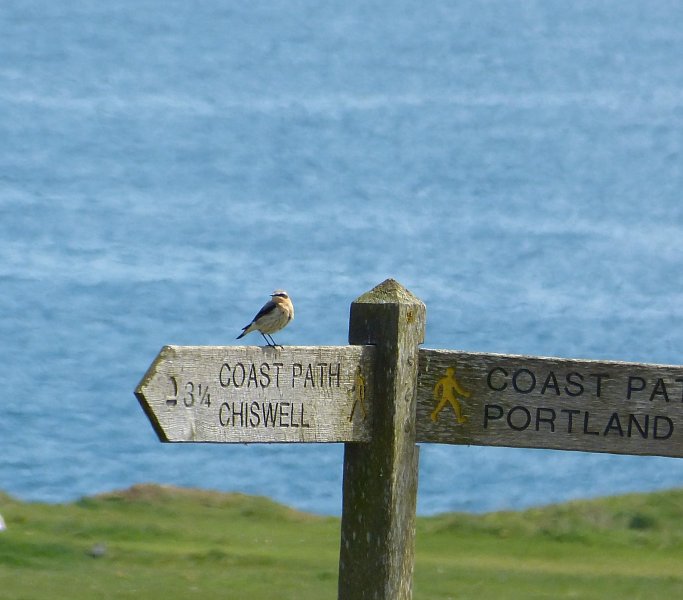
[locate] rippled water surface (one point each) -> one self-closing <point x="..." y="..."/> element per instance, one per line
<point x="164" y="166"/>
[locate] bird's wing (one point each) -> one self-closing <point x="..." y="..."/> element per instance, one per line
<point x="268" y="307"/>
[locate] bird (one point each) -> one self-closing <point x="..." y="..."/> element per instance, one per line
<point x="273" y="316"/>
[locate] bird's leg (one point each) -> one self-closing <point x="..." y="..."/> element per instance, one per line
<point x="273" y="342"/>
<point x="268" y="342"/>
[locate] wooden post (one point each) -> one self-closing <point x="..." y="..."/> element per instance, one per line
<point x="380" y="477"/>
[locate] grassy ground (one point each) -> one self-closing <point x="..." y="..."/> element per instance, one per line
<point x="157" y="542"/>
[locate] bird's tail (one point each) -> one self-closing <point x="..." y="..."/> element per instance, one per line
<point x="246" y="329"/>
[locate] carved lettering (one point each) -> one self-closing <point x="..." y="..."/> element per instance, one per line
<point x="334" y="375"/>
<point x="659" y="390"/>
<point x="277" y="366"/>
<point x="574" y="385"/>
<point x="265" y="374"/>
<point x="308" y="379"/>
<point x="635" y="384"/>
<point x="522" y="423"/>
<point x="492" y="412"/>
<point x="262" y="414"/>
<point x="657" y="433"/>
<point x="549" y="419"/>
<point x="489" y="379"/>
<point x="545" y="418"/>
<point x="526" y="381"/>
<point x="614" y="424"/>
<point x="598" y="379"/>
<point x="551" y="382"/>
<point x="586" y="431"/>
<point x="642" y="429"/>
<point x="571" y="413"/>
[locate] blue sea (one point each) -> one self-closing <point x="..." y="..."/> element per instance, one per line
<point x="164" y="165"/>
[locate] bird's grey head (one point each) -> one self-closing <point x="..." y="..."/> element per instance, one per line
<point x="279" y="294"/>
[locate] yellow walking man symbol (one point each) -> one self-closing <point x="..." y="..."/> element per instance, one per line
<point x="358" y="390"/>
<point x="445" y="391"/>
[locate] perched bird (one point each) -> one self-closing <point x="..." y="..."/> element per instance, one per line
<point x="272" y="317"/>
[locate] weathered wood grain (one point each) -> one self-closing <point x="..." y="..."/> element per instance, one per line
<point x="380" y="477"/>
<point x="537" y="402"/>
<point x="260" y="394"/>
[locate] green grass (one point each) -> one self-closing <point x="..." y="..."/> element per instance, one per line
<point x="167" y="543"/>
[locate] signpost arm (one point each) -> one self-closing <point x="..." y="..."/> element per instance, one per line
<point x="380" y="477"/>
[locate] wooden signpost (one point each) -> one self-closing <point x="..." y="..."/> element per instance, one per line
<point x="260" y="394"/>
<point x="534" y="402"/>
<point x="383" y="394"/>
